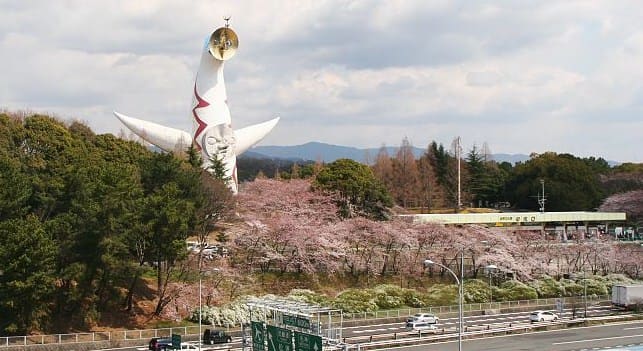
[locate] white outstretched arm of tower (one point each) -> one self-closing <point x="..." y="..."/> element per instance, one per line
<point x="166" y="138"/>
<point x="249" y="136"/>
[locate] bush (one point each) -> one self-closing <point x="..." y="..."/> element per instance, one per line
<point x="571" y="287"/>
<point x="413" y="298"/>
<point x="309" y="296"/>
<point x="441" y="295"/>
<point x="476" y="291"/>
<point x="390" y="296"/>
<point x="547" y="287"/>
<point x="515" y="290"/>
<point x="356" y="300"/>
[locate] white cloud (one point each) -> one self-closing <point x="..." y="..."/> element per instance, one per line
<point x="523" y="77"/>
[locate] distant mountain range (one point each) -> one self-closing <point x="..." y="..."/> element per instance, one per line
<point x="314" y="151"/>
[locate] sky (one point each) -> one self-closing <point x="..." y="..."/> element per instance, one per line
<point x="521" y="76"/>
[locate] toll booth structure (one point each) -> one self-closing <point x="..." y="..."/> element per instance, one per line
<point x="279" y="324"/>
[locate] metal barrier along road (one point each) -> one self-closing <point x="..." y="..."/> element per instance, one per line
<point x="146" y="334"/>
<point x="469" y="307"/>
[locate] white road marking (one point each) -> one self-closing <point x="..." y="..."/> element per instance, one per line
<point x="599" y="339"/>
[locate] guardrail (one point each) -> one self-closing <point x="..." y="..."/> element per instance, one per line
<point x="146" y="334"/>
<point x="465" y="308"/>
<point x="388" y="340"/>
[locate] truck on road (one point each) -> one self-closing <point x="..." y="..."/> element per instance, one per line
<point x="628" y="296"/>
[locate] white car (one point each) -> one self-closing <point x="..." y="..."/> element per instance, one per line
<point x="423" y="317"/>
<point x="542" y="316"/>
<point x="421" y="326"/>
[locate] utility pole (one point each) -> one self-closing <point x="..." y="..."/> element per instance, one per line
<point x="541" y="198"/>
<point x="458" y="151"/>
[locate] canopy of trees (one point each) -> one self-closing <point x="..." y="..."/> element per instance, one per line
<point x="359" y="191"/>
<point x="83" y="216"/>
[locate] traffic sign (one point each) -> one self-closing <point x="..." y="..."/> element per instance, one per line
<point x="279" y="339"/>
<point x="176" y="341"/>
<point x="307" y="342"/>
<point x="296" y="321"/>
<point x="258" y="336"/>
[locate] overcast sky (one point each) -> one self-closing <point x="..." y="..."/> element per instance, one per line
<point x="522" y="76"/>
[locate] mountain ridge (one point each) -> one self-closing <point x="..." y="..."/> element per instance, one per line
<point x="318" y="151"/>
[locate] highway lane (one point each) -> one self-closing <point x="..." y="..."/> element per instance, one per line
<point x="357" y="333"/>
<point x="385" y="331"/>
<point x="575" y="339"/>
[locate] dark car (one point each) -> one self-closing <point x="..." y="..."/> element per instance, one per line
<point x="215" y="337"/>
<point x="158" y="344"/>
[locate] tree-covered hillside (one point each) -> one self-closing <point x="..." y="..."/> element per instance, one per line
<point x="83" y="217"/>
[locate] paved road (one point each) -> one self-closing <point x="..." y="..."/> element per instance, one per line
<point x="576" y="339"/>
<point x="358" y="334"/>
<point x="385" y="331"/>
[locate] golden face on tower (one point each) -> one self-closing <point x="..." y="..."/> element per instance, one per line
<point x="223" y="43"/>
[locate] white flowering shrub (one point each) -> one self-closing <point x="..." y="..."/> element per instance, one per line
<point x="231" y="314"/>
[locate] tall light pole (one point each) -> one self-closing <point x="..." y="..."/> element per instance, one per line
<point x="428" y="263"/>
<point x="585" y="293"/>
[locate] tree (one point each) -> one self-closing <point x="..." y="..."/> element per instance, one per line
<point x="218" y="170"/>
<point x="570" y="184"/>
<point x="431" y="193"/>
<point x="26" y="276"/>
<point x="357" y="187"/>
<point x="445" y="167"/>
<point x="214" y="204"/>
<point x="405" y="175"/>
<point x="485" y="181"/>
<point x="383" y="168"/>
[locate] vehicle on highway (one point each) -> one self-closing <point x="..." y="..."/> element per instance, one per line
<point x="421" y="326"/>
<point x="627" y="296"/>
<point x="542" y="316"/>
<point x="158" y="344"/>
<point x="423" y="317"/>
<point x="215" y="337"/>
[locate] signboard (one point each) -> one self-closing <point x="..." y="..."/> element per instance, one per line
<point x="279" y="339"/>
<point x="296" y="321"/>
<point x="176" y="341"/>
<point x="258" y="336"/>
<point x="307" y="342"/>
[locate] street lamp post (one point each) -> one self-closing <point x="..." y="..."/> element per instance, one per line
<point x="427" y="263"/>
<point x="585" y="293"/>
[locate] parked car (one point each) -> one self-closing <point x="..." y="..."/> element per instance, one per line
<point x="158" y="344"/>
<point x="421" y="326"/>
<point x="542" y="316"/>
<point x="423" y="317"/>
<point x="215" y="337"/>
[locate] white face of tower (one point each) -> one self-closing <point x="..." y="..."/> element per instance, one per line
<point x="219" y="142"/>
